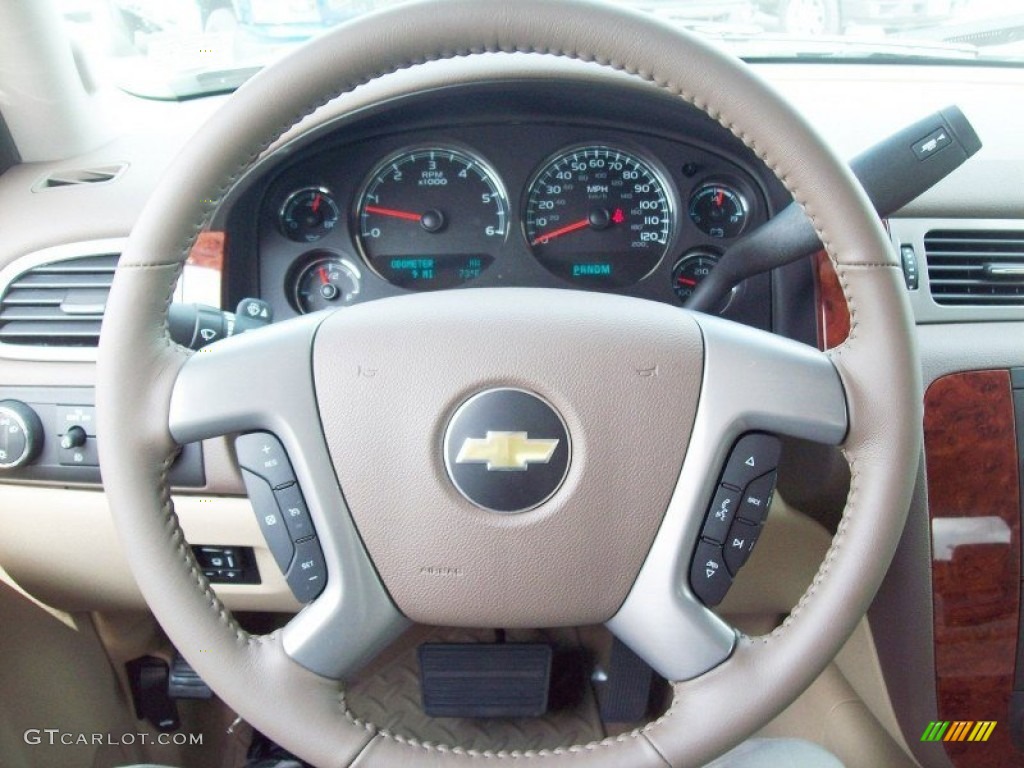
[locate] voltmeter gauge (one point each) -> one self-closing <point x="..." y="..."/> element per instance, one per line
<point x="718" y="210"/>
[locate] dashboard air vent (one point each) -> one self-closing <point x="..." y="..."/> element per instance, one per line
<point x="976" y="267"/>
<point x="59" y="303"/>
<point x="73" y="177"/>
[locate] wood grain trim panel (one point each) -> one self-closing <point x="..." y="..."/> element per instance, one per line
<point x="833" y="312"/>
<point x="208" y="251"/>
<point x="971" y="456"/>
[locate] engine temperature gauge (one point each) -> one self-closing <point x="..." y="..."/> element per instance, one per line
<point x="690" y="271"/>
<point x="325" y="282"/>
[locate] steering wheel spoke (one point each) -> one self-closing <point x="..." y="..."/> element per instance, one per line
<point x="754" y="382"/>
<point x="260" y="383"/>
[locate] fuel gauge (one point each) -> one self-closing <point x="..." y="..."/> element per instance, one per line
<point x="325" y="282"/>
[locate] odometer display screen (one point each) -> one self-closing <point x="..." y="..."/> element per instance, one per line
<point x="418" y="273"/>
<point x="599" y="216"/>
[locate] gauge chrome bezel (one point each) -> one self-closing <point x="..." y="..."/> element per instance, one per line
<point x="639" y="155"/>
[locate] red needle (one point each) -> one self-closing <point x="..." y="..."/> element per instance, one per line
<point x="685" y="281"/>
<point x="561" y="231"/>
<point x="316" y="203"/>
<point x="392" y="212"/>
<point x="323" y="276"/>
<point x="720" y="197"/>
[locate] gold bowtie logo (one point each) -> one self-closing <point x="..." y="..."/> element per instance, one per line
<point x="506" y="451"/>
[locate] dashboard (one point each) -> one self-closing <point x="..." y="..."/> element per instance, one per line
<point x="300" y="234"/>
<point x="510" y="185"/>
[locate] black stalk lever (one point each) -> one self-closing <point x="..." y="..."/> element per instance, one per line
<point x="892" y="172"/>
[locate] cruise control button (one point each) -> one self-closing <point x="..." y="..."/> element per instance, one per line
<point x="720" y="515"/>
<point x="270" y="519"/>
<point x="308" y="573"/>
<point x="262" y="454"/>
<point x="740" y="543"/>
<point x="756" y="499"/>
<point x="709" y="576"/>
<point x="293" y="510"/>
<point x="754" y="455"/>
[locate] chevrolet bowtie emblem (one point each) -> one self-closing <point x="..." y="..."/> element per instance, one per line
<point x="506" y="451"/>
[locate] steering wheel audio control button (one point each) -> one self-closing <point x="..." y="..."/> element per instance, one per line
<point x="739" y="544"/>
<point x="721" y="514"/>
<point x="709" y="576"/>
<point x="308" y="573"/>
<point x="757" y="499"/>
<point x="754" y="455"/>
<point x="270" y="519"/>
<point x="262" y="454"/>
<point x="293" y="510"/>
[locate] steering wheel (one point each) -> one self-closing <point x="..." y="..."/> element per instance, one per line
<point x="613" y="542"/>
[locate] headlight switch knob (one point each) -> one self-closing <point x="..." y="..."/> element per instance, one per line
<point x="21" y="434"/>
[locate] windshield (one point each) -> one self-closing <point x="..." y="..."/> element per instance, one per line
<point x="187" y="48"/>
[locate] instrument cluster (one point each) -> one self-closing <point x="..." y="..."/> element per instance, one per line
<point x="536" y="205"/>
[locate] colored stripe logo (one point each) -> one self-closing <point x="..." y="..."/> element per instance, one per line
<point x="959" y="730"/>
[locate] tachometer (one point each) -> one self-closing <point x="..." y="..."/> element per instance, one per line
<point x="431" y="218"/>
<point x="597" y="215"/>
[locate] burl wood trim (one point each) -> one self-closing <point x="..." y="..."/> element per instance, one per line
<point x="971" y="455"/>
<point x="208" y="251"/>
<point x="833" y="312"/>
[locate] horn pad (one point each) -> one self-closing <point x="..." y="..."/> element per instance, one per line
<point x="571" y="409"/>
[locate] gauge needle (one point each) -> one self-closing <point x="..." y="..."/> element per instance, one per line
<point x="582" y="223"/>
<point x="686" y="281"/>
<point x="316" y="203"/>
<point x="323" y="276"/>
<point x="720" y="198"/>
<point x="392" y="213"/>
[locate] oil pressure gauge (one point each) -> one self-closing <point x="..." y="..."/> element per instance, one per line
<point x="308" y="214"/>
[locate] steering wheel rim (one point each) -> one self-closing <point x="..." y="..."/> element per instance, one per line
<point x="877" y="366"/>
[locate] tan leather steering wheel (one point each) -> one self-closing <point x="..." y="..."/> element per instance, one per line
<point x="581" y="352"/>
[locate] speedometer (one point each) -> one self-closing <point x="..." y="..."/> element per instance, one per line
<point x="599" y="216"/>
